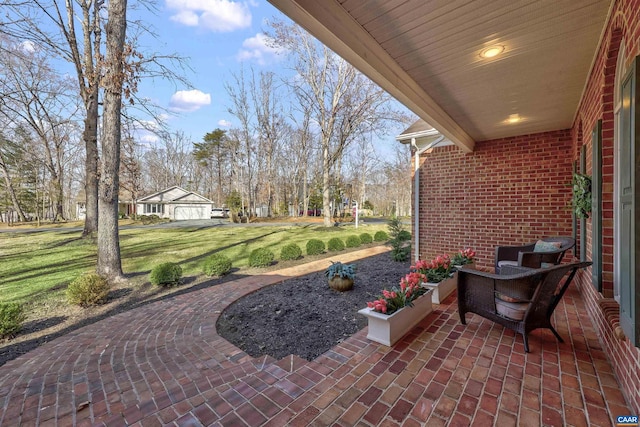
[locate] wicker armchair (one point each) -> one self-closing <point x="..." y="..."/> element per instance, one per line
<point x="525" y="256"/>
<point x="523" y="301"/>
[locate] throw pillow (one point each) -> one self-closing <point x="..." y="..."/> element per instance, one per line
<point x="542" y="246"/>
<point x="515" y="311"/>
<point x="507" y="298"/>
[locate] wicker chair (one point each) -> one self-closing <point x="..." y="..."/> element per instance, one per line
<point x="524" y="256"/>
<point x="535" y="292"/>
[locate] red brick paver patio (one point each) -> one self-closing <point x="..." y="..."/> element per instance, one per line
<point x="164" y="364"/>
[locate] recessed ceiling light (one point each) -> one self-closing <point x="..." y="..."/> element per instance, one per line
<point x="513" y="118"/>
<point x="492" y="51"/>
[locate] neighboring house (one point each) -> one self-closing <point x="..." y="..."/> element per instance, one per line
<point x="526" y="92"/>
<point x="175" y="203"/>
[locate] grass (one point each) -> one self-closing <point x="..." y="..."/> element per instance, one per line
<point x="37" y="267"/>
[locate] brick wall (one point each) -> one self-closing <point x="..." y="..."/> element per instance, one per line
<point x="507" y="192"/>
<point x="597" y="104"/>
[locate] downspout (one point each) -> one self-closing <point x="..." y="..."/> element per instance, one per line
<point x="416" y="193"/>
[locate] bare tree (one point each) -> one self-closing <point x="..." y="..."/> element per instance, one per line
<point x="270" y="124"/>
<point x="109" y="263"/>
<point x="362" y="160"/>
<point x="343" y="102"/>
<point x="241" y="109"/>
<point x="8" y="149"/>
<point x="42" y="104"/>
<point x="51" y="24"/>
<point x="130" y="169"/>
<point x="85" y="57"/>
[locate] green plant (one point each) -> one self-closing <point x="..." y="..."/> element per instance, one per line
<point x="290" y="251"/>
<point x="352" y="241"/>
<point x="11" y="318"/>
<point x="344" y="271"/>
<point x="436" y="270"/>
<point x="366" y="238"/>
<point x="401" y="253"/>
<point x="335" y="244"/>
<point x="315" y="247"/>
<point x="150" y="219"/>
<point x="86" y="290"/>
<point x="581" y="195"/>
<point x="381" y="236"/>
<point x="404" y="235"/>
<point x="399" y="240"/>
<point x="166" y="274"/>
<point x="261" y="257"/>
<point x="463" y="257"/>
<point x="217" y="265"/>
<point x="398" y="297"/>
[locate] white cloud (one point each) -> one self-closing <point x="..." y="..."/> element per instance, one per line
<point x="189" y="100"/>
<point x="224" y="123"/>
<point x="214" y="15"/>
<point x="257" y="49"/>
<point x="149" y="138"/>
<point x="28" y="46"/>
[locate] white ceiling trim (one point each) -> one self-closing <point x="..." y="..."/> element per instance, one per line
<point x="328" y="21"/>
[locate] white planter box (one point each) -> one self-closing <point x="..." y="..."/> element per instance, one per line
<point x="388" y="329"/>
<point x="443" y="289"/>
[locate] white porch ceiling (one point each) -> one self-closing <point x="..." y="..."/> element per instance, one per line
<point x="426" y="53"/>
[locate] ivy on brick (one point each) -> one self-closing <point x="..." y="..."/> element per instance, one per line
<point x="581" y="195"/>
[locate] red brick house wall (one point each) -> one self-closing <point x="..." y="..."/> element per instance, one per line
<point x="508" y="191"/>
<point x="597" y="103"/>
<point x="515" y="190"/>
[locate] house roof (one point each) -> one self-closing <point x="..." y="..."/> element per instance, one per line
<point x="174" y="194"/>
<point x="423" y="134"/>
<point x="427" y="54"/>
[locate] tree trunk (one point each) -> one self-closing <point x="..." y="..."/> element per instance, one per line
<point x="90" y="136"/>
<point x="12" y="193"/>
<point x="59" y="199"/>
<point x="109" y="264"/>
<point x="326" y="199"/>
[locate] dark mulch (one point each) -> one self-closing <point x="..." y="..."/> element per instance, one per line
<point x="303" y="316"/>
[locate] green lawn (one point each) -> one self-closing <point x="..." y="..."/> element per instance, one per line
<point x="35" y="267"/>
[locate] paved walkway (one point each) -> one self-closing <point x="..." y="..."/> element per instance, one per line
<point x="164" y="364"/>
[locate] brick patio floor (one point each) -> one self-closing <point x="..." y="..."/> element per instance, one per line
<point x="164" y="364"/>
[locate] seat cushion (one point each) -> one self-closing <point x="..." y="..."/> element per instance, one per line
<point x="507" y="298"/>
<point x="506" y="262"/>
<point x="542" y="246"/>
<point x="512" y="310"/>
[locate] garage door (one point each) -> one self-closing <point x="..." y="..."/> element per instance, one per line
<point x="191" y="212"/>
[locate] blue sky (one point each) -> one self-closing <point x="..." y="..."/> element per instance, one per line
<point x="219" y="37"/>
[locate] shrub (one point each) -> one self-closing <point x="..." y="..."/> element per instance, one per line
<point x="381" y="236"/>
<point x="290" y="251"/>
<point x="352" y="241"/>
<point x="315" y="247"/>
<point x="335" y="244"/>
<point x="86" y="290"/>
<point x="217" y="265"/>
<point x="400" y="254"/>
<point x="399" y="241"/>
<point x="166" y="274"/>
<point x="261" y="257"/>
<point x="11" y="318"/>
<point x="366" y="238"/>
<point x="404" y="235"/>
